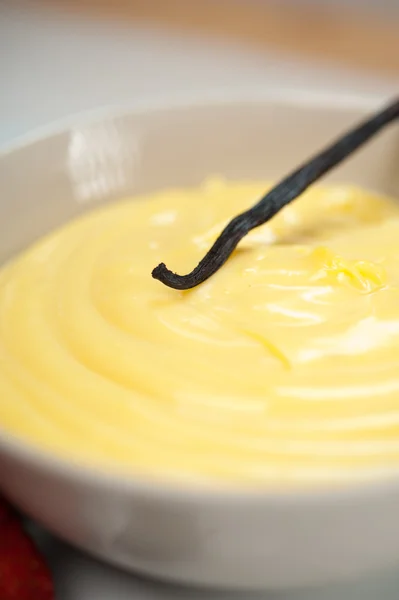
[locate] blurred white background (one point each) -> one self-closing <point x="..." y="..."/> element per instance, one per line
<point x="53" y="65"/>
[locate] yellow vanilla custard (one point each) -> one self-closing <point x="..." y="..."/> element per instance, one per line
<point x="281" y="369"/>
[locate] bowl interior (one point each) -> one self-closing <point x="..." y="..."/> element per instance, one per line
<point x="53" y="179"/>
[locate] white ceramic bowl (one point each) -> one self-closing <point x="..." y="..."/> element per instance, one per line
<point x="236" y="538"/>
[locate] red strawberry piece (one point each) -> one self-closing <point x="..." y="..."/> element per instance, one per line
<point x="23" y="572"/>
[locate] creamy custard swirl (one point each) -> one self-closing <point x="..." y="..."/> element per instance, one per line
<point x="282" y="369"/>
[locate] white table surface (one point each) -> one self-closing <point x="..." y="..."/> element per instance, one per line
<point x="52" y="67"/>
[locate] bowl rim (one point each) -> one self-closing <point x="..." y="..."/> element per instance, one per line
<point x="290" y="96"/>
<point x="96" y="475"/>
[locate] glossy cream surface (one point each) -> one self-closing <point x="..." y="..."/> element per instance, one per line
<point x="282" y="369"/>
